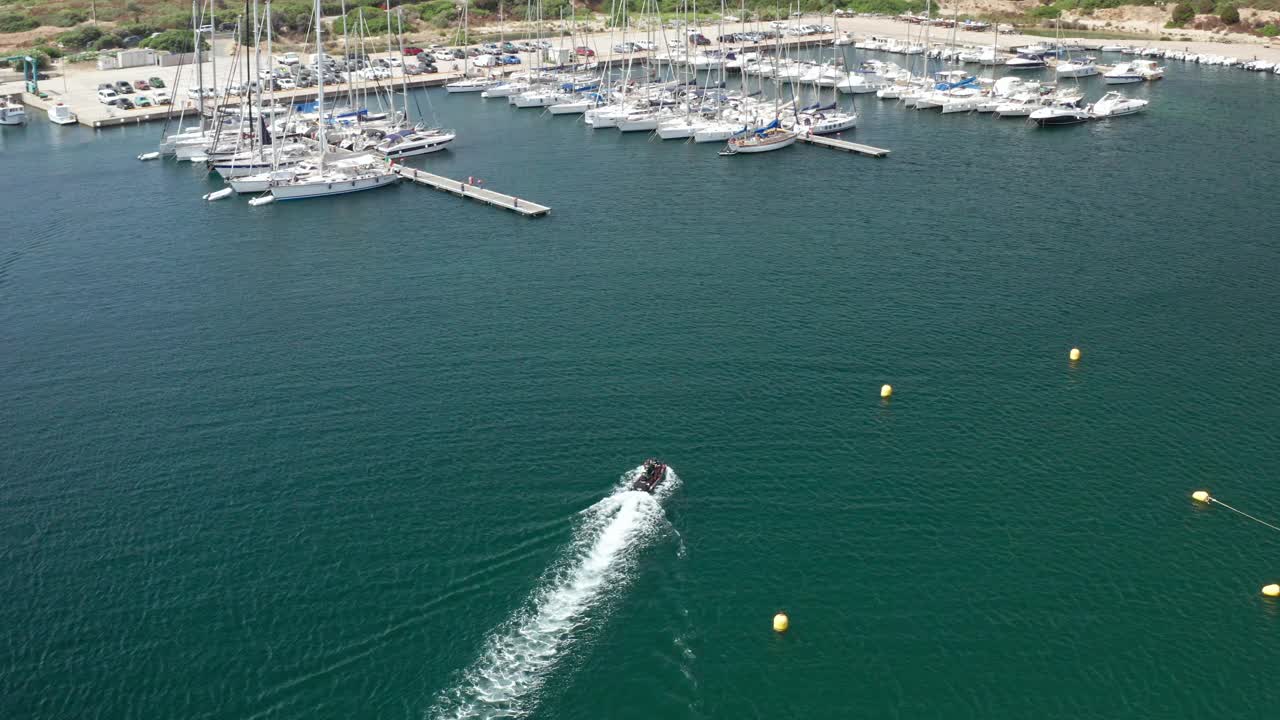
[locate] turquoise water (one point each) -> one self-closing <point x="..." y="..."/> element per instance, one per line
<point x="359" y="458"/>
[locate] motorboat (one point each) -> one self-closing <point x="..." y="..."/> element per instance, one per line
<point x="1114" y="104"/>
<point x="414" y="141"/>
<point x="1060" y="114"/>
<point x="1025" y="62"/>
<point x="1122" y="74"/>
<point x="1134" y="71"/>
<point x="12" y="113"/>
<point x="60" y="114"/>
<point x="1077" y="68"/>
<point x="652" y="474"/>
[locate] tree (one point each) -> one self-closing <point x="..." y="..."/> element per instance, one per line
<point x="175" y="41"/>
<point x="1229" y="14"/>
<point x="1182" y="14"/>
<point x="135" y="10"/>
<point x="1205" y="7"/>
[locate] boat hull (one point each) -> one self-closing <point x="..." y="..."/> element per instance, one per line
<point x="320" y="188"/>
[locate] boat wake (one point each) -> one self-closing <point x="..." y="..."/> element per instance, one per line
<point x="521" y="653"/>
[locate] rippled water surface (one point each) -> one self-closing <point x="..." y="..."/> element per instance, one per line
<point x="363" y="458"/>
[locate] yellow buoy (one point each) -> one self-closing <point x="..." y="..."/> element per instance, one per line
<point x="781" y="622"/>
<point x="1200" y="496"/>
<point x="1074" y="354"/>
<point x="1272" y="590"/>
<point x="886" y="391"/>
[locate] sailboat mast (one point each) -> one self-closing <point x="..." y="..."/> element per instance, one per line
<point x="320" y="134"/>
<point x="195" y="33"/>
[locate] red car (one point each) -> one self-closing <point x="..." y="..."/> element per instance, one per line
<point x="141" y="85"/>
<point x="413" y="51"/>
<point x="585" y="51"/>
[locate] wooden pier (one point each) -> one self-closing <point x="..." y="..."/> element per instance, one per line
<point x="844" y="145"/>
<point x="462" y="189"/>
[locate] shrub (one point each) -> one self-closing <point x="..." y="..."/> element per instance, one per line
<point x="68" y="18"/>
<point x="80" y="38"/>
<point x="1182" y="14"/>
<point x="175" y="41"/>
<point x="1204" y="7"/>
<point x="42" y="60"/>
<point x="106" y="42"/>
<point x="1269" y="30"/>
<point x="1229" y="14"/>
<point x="51" y="51"/>
<point x="17" y="22"/>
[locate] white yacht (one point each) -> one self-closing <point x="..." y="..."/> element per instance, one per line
<point x="12" y="113"/>
<point x="1024" y="62"/>
<point x="1077" y="68"/>
<point x="1114" y="104"/>
<point x="1134" y="71"/>
<point x="1060" y="114"/>
<point x="61" y="115"/>
<point x="414" y="141"/>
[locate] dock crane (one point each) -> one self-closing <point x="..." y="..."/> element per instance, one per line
<point x="30" y="71"/>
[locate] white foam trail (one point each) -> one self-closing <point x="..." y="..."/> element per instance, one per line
<point x="520" y="654"/>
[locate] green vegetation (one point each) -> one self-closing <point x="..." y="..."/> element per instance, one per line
<point x="11" y="22"/>
<point x="1269" y="30"/>
<point x="42" y="59"/>
<point x="1182" y="14"/>
<point x="175" y="41"/>
<point x="1229" y="14"/>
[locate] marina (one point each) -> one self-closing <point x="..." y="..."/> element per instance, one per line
<point x="315" y="410"/>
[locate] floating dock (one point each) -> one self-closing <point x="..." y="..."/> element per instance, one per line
<point x="844" y="145"/>
<point x="463" y="189"/>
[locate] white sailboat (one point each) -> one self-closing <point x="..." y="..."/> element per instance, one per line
<point x="341" y="177"/>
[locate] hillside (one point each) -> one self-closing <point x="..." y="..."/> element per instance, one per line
<point x="72" y="26"/>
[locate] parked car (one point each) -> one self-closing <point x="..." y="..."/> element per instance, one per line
<point x="510" y="60"/>
<point x="123" y="87"/>
<point x="141" y="85"/>
<point x="143" y="101"/>
<point x="161" y="97"/>
<point x="156" y="82"/>
<point x="411" y="51"/>
<point x="645" y="45"/>
<point x="459" y="53"/>
<point x="123" y="103"/>
<point x="106" y="86"/>
<point x="699" y="39"/>
<point x="584" y="51"/>
<point x="289" y="59"/>
<point x="625" y="47"/>
<point x="286" y="84"/>
<point x="106" y="95"/>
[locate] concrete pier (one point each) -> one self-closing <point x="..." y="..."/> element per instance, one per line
<point x="463" y="189"/>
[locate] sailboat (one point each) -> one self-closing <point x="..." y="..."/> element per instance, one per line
<point x="467" y="84"/>
<point x="341" y="177"/>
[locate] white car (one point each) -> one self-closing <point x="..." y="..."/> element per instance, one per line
<point x="106" y="96"/>
<point x="375" y="73"/>
<point x="286" y="84"/>
<point x="162" y="97"/>
<point x="289" y="59"/>
<point x="394" y="62"/>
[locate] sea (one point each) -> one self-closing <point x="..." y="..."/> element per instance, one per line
<point x="369" y="457"/>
